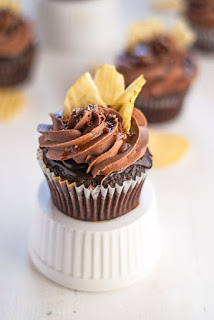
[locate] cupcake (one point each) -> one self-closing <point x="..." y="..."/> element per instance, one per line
<point x="95" y="153"/>
<point x="163" y="57"/>
<point x="200" y="14"/>
<point x="16" y="47"/>
<point x="73" y="26"/>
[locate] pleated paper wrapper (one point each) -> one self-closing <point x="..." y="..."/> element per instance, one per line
<point x="93" y="204"/>
<point x="161" y="109"/>
<point x="205" y="38"/>
<point x="16" y="70"/>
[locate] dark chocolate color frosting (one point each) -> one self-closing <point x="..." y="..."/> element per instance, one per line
<point x="73" y="172"/>
<point x="201" y="12"/>
<point x="15" y="34"/>
<point x="166" y="69"/>
<point x="93" y="139"/>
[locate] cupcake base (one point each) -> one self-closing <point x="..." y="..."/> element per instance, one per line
<point x="16" y="70"/>
<point x="205" y="38"/>
<point x="161" y="109"/>
<point x="95" y="256"/>
<point x="93" y="203"/>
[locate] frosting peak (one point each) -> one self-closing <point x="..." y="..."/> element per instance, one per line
<point x="201" y="12"/>
<point x="15" y="34"/>
<point x="155" y="50"/>
<point x="95" y="136"/>
<point x="167" y="69"/>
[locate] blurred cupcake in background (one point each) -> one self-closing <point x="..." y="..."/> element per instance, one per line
<point x="201" y="17"/>
<point x="17" y="45"/>
<point x="80" y="28"/>
<point x="163" y="56"/>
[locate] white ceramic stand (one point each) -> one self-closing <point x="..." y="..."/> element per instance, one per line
<point x="95" y="256"/>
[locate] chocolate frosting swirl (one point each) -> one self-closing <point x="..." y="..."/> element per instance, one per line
<point x="94" y="136"/>
<point x="166" y="69"/>
<point x="15" y="34"/>
<point x="201" y="12"/>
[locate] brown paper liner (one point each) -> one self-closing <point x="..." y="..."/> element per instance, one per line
<point x="161" y="109"/>
<point x="93" y="204"/>
<point x="205" y="38"/>
<point x="16" y="70"/>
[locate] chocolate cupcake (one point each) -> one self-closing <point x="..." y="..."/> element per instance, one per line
<point x="95" y="154"/>
<point x="200" y="14"/>
<point x="163" y="57"/>
<point x="16" y="48"/>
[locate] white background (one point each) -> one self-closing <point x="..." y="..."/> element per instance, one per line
<point x="182" y="286"/>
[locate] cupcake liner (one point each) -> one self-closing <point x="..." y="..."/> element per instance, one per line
<point x="161" y="109"/>
<point x="205" y="38"/>
<point x="93" y="204"/>
<point x="16" y="70"/>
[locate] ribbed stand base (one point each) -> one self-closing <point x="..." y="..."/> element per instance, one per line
<point x="95" y="256"/>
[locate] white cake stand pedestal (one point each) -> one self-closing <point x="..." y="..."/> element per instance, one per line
<point x="95" y="256"/>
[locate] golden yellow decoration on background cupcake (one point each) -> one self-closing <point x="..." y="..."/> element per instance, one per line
<point x="182" y="35"/>
<point x="143" y="31"/>
<point x="10" y="5"/>
<point x="146" y="30"/>
<point x="169" y="5"/>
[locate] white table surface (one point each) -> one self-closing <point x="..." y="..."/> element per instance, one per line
<point x="182" y="286"/>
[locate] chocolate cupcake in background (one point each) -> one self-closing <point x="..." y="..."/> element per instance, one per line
<point x="164" y="58"/>
<point x="17" y="48"/>
<point x="200" y="14"/>
<point x="95" y="154"/>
